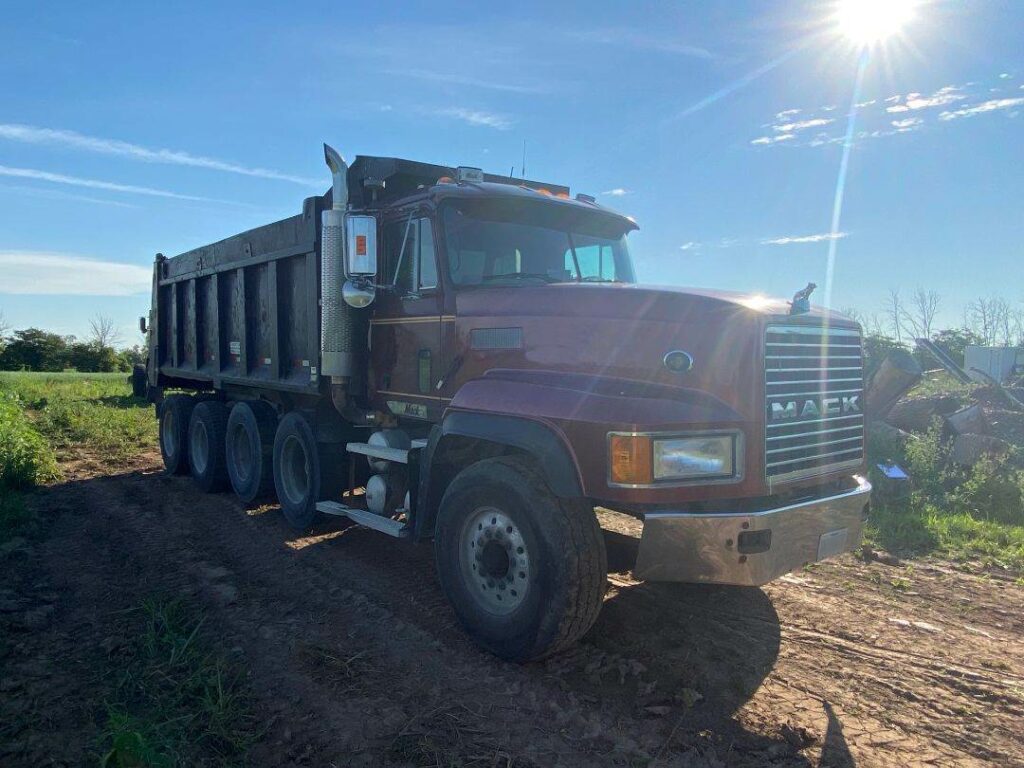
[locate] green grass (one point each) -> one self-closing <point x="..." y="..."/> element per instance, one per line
<point x="175" y="702"/>
<point x="972" y="515"/>
<point x="46" y="415"/>
<point x="93" y="411"/>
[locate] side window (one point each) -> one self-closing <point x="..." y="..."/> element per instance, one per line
<point x="596" y="261"/>
<point x="411" y="262"/>
<point x="428" y="262"/>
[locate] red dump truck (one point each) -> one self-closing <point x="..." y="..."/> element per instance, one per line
<point x="443" y="354"/>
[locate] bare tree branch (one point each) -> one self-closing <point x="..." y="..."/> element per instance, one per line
<point x="920" y="318"/>
<point x="895" y="312"/>
<point x="104" y="332"/>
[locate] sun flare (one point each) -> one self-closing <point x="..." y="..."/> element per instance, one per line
<point x="867" y="22"/>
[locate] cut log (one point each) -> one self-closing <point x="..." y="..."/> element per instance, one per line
<point x="969" y="420"/>
<point x="968" y="450"/>
<point x="916" y="415"/>
<point x="893" y="379"/>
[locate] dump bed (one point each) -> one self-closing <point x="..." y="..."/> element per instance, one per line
<point x="244" y="310"/>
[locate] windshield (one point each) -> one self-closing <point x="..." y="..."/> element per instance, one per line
<point x="503" y="241"/>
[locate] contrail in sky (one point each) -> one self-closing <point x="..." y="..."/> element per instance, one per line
<point x="77" y="181"/>
<point x="31" y="134"/>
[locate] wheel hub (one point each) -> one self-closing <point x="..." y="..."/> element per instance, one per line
<point x="495" y="560"/>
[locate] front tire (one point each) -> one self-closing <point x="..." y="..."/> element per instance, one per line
<point x="206" y="431"/>
<point x="304" y="472"/>
<point x="524" y="570"/>
<point x="175" y="413"/>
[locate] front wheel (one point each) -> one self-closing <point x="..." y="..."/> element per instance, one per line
<point x="524" y="570"/>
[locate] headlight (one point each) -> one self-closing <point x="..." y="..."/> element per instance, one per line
<point x="689" y="457"/>
<point x="647" y="459"/>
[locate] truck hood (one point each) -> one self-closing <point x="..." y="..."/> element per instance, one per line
<point x="625" y="301"/>
<point x="623" y="332"/>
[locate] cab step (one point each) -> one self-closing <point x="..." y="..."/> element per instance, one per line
<point x="382" y="452"/>
<point x="367" y="519"/>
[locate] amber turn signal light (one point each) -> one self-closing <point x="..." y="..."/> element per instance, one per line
<point x="629" y="459"/>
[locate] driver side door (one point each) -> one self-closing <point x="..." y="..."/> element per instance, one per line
<point x="405" y="332"/>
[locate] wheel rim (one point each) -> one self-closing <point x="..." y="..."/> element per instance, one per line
<point x="169" y="432"/>
<point x="199" y="445"/>
<point x="495" y="560"/>
<point x="241" y="453"/>
<point x="295" y="474"/>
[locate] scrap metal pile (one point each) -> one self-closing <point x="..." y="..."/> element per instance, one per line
<point x="981" y="417"/>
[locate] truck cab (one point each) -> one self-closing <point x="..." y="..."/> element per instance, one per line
<point x="489" y="371"/>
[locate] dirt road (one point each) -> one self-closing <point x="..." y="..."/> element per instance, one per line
<point x="355" y="657"/>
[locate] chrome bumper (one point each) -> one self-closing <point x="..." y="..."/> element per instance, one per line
<point x="753" y="548"/>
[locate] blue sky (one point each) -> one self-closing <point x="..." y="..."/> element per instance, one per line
<point x="128" y="129"/>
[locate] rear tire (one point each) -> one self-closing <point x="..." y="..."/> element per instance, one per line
<point x="140" y="381"/>
<point x="524" y="570"/>
<point x="250" y="450"/>
<point x="304" y="472"/>
<point x="175" y="412"/>
<point x="206" y="431"/>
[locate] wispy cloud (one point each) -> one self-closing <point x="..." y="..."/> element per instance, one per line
<point x="907" y="124"/>
<point x="774" y="139"/>
<point x="56" y="194"/>
<point x="43" y="273"/>
<point x="979" y="109"/>
<point x="892" y="116"/>
<point x="803" y="125"/>
<point x="617" y="192"/>
<point x="31" y="134"/>
<point x="454" y="78"/>
<point x="634" y="38"/>
<point x="799" y="239"/>
<point x="693" y="245"/>
<point x="477" y="117"/>
<point x="75" y="181"/>
<point x="914" y="101"/>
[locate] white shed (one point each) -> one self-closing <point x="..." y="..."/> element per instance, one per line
<point x="998" y="362"/>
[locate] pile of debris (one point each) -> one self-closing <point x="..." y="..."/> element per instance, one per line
<point x="984" y="419"/>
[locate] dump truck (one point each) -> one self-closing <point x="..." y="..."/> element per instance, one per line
<point x="445" y="355"/>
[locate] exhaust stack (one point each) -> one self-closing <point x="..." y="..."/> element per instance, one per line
<point x="336" y="321"/>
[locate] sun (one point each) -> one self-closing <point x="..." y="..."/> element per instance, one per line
<point x="868" y="22"/>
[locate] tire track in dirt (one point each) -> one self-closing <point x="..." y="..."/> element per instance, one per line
<point x="355" y="655"/>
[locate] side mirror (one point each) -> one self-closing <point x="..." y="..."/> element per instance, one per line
<point x="142" y="325"/>
<point x="361" y="250"/>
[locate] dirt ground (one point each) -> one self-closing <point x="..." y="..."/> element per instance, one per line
<point x="845" y="663"/>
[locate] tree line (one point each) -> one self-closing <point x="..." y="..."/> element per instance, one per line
<point x="991" y="322"/>
<point x="33" y="349"/>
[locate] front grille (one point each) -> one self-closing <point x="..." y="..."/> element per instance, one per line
<point x="814" y="396"/>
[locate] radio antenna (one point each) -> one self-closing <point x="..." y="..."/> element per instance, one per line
<point x="522" y="170"/>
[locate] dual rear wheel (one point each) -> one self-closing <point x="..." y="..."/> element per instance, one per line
<point x="246" y="447"/>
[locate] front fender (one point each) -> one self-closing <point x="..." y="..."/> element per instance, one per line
<point x="581" y="409"/>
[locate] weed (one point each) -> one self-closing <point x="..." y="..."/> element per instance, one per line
<point x="974" y="514"/>
<point x="25" y="457"/>
<point x="176" y="703"/>
<point x="95" y="411"/>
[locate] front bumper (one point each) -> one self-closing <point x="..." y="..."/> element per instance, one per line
<point x="751" y="548"/>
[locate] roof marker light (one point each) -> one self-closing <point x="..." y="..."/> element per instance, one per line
<point x="586" y="198"/>
<point x="469" y="175"/>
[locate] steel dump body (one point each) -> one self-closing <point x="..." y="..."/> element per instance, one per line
<point x="244" y="310"/>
